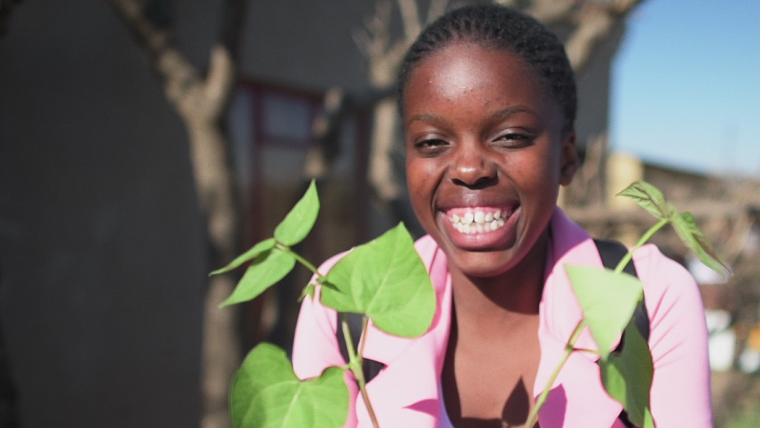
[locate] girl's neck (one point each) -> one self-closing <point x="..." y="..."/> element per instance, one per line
<point x="511" y="295"/>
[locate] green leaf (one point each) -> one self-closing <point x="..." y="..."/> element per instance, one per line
<point x="627" y="377"/>
<point x="696" y="241"/>
<point x="650" y="198"/>
<point x="307" y="291"/>
<point x="267" y="394"/>
<point x="648" y="419"/>
<point x="264" y="272"/>
<point x="299" y="221"/>
<point x="385" y="280"/>
<point x="251" y="254"/>
<point x="608" y="301"/>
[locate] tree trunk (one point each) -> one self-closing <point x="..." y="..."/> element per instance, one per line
<point x="221" y="348"/>
<point x="381" y="172"/>
<point x="202" y="103"/>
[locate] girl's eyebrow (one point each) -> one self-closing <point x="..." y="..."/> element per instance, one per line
<point x="499" y="114"/>
<point x="427" y="117"/>
<point x="506" y="112"/>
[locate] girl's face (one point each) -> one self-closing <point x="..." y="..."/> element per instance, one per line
<point x="485" y="155"/>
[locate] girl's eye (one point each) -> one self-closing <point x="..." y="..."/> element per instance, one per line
<point x="430" y="145"/>
<point x="514" y="140"/>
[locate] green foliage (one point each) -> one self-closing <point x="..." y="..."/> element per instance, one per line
<point x="267" y="394"/>
<point x="249" y="255"/>
<point x="268" y="268"/>
<point x="307" y="291"/>
<point x="696" y="241"/>
<point x="271" y="259"/>
<point x="651" y="199"/>
<point x="385" y="280"/>
<point x="299" y="221"/>
<point x="608" y="301"/>
<point x="627" y="377"/>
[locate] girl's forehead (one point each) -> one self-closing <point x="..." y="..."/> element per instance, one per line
<point x="468" y="86"/>
<point x="464" y="67"/>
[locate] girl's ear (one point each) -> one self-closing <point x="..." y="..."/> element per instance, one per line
<point x="569" y="161"/>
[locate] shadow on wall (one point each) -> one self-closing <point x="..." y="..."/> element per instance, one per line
<point x="101" y="241"/>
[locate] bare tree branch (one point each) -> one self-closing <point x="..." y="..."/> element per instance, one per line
<point x="595" y="24"/>
<point x="171" y="65"/>
<point x="373" y="39"/>
<point x="362" y="40"/>
<point x="411" y="18"/>
<point x="384" y="62"/>
<point x="551" y="11"/>
<point x="593" y="21"/>
<point x="326" y="132"/>
<point x="436" y="9"/>
<point x="384" y="58"/>
<point x="201" y="104"/>
<point x="220" y="81"/>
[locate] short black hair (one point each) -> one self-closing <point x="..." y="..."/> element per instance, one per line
<point x="499" y="27"/>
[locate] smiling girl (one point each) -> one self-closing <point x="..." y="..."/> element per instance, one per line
<point x="488" y="104"/>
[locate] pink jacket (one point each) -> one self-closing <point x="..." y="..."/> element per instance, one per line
<point x="407" y="393"/>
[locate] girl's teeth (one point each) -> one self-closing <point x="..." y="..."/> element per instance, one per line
<point x="478" y="221"/>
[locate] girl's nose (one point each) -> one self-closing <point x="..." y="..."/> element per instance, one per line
<point x="472" y="167"/>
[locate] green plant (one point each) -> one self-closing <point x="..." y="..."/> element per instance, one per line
<point x="608" y="299"/>
<point x="386" y="281"/>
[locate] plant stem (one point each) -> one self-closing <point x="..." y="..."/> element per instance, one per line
<point x="365" y="322"/>
<point x="300" y="259"/>
<point x="627" y="258"/>
<point x="569" y="348"/>
<point x="355" y="364"/>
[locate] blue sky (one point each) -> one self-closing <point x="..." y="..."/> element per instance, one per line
<point x="686" y="85"/>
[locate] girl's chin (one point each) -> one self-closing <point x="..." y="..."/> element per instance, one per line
<point x="481" y="264"/>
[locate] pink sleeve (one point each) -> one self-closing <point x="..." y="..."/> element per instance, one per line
<point x="678" y="340"/>
<point x="315" y="346"/>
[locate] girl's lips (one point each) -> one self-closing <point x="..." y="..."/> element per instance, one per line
<point x="480" y="227"/>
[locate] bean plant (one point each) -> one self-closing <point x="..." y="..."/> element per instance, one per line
<point x="386" y="282"/>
